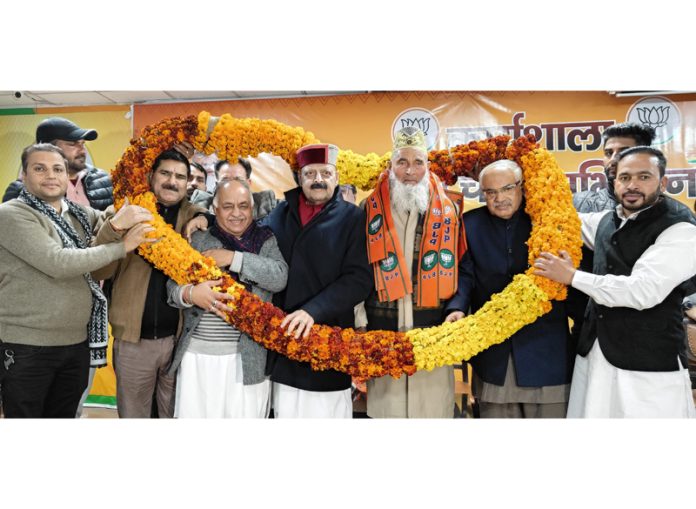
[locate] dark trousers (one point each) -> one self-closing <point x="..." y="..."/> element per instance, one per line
<point x="43" y="381"/>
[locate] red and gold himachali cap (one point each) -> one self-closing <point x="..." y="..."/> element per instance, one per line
<point x="320" y="153"/>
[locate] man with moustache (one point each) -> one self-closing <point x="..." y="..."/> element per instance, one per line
<point x="615" y="139"/>
<point x="144" y="326"/>
<point x="322" y="239"/>
<point x="414" y="243"/>
<point x="526" y="376"/>
<point x="87" y="185"/>
<point x="53" y="317"/>
<point x="631" y="360"/>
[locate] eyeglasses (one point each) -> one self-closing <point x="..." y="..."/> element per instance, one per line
<point x="503" y="191"/>
<point x="312" y="174"/>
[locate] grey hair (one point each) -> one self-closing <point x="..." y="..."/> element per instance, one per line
<point x="502" y="164"/>
<point x="222" y="184"/>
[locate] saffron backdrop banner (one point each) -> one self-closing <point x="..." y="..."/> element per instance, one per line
<point x="569" y="124"/>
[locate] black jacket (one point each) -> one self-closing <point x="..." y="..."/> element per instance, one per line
<point x="328" y="275"/>
<point x="541" y="351"/>
<point x="98" y="188"/>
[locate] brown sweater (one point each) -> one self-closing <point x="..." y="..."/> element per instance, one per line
<point x="131" y="277"/>
<point x="44" y="297"/>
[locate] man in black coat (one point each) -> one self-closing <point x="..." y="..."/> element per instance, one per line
<point x="528" y="375"/>
<point x="88" y="185"/>
<point x="322" y="239"/>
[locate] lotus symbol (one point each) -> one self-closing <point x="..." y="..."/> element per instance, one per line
<point x="655" y="117"/>
<point x="429" y="259"/>
<point x="422" y="123"/>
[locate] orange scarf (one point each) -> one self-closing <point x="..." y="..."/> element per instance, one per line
<point x="442" y="245"/>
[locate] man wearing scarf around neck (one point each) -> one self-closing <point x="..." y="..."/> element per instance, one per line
<point x="143" y="324"/>
<point x="53" y="317"/>
<point x="322" y="239"/>
<point x="222" y="370"/>
<point x="414" y="241"/>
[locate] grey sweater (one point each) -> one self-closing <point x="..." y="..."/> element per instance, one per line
<point x="44" y="297"/>
<point x="266" y="272"/>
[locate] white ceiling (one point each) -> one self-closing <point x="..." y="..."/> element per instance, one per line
<point x="47" y="99"/>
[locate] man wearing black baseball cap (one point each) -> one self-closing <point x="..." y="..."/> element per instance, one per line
<point x="88" y="185"/>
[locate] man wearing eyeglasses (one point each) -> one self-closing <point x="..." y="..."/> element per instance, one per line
<point x="528" y="375"/>
<point x="264" y="201"/>
<point x="322" y="238"/>
<point x="87" y="185"/>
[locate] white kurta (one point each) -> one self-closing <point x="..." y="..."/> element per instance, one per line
<point x="292" y="403"/>
<point x="210" y="386"/>
<point x="599" y="389"/>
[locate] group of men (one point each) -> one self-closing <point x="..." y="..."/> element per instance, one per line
<point x="405" y="258"/>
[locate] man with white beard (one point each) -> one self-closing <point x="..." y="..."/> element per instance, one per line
<point x="414" y="243"/>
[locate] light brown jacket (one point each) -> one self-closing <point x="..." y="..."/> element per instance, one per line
<point x="131" y="276"/>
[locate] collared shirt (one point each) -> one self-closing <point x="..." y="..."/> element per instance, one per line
<point x="76" y="191"/>
<point x="670" y="261"/>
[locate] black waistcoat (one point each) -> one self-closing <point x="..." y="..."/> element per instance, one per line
<point x="638" y="340"/>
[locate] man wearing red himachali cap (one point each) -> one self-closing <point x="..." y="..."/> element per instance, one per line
<point x="322" y="238"/>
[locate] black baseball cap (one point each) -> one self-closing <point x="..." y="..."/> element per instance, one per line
<point x="57" y="128"/>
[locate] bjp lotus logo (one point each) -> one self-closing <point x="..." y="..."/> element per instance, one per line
<point x="422" y="123"/>
<point x="659" y="113"/>
<point x="447" y="258"/>
<point x="655" y="117"/>
<point x="429" y="260"/>
<point x="389" y="263"/>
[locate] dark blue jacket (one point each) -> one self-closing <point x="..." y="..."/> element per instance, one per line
<point x="328" y="275"/>
<point x="497" y="251"/>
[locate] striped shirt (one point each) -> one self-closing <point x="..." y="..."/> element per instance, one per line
<point x="214" y="336"/>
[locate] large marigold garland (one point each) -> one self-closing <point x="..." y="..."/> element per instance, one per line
<point x="231" y="137"/>
<point x="375" y="353"/>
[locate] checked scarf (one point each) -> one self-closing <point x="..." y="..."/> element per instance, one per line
<point x="97" y="328"/>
